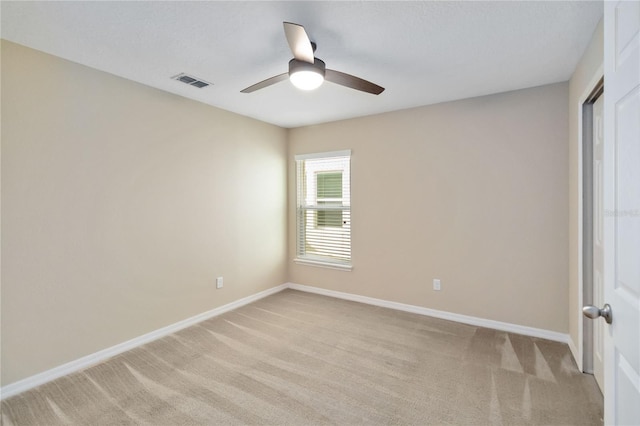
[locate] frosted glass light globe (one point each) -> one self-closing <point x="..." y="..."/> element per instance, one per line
<point x="306" y="79"/>
<point x="306" y="76"/>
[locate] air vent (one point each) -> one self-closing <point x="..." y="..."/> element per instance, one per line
<point x="190" y="80"/>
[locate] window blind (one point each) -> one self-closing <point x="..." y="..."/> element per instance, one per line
<point x="324" y="207"/>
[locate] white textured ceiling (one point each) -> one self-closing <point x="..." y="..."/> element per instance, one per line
<point x="421" y="52"/>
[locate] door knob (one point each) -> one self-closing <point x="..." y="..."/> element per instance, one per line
<point x="594" y="312"/>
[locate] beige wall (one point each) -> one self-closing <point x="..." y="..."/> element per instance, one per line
<point x="472" y="192"/>
<point x="122" y="203"/>
<point x="120" y="206"/>
<point x="579" y="85"/>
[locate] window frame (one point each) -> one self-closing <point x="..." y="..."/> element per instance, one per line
<point x="306" y="192"/>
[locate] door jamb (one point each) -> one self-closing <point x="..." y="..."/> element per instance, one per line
<point x="584" y="357"/>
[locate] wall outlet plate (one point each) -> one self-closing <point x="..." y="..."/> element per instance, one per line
<point x="219" y="282"/>
<point x="436" y="285"/>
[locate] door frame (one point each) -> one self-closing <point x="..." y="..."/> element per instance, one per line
<point x="583" y="354"/>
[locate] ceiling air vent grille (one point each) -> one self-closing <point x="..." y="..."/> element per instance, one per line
<point x="190" y="80"/>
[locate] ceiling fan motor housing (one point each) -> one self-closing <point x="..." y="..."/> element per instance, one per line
<point x="318" y="66"/>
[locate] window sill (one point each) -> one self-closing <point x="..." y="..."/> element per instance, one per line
<point x="321" y="264"/>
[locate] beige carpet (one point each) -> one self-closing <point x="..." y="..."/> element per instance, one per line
<point x="302" y="359"/>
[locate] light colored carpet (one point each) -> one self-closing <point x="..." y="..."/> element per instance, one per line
<point x="301" y="359"/>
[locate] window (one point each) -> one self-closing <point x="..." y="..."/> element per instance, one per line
<point x="324" y="209"/>
<point x="329" y="192"/>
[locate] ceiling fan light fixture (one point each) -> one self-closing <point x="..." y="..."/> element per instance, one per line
<point x="306" y="80"/>
<point x="306" y="76"/>
<point x="306" y="72"/>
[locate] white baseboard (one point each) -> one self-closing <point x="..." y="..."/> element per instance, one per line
<point x="576" y="354"/>
<point x="465" y="319"/>
<point x="97" y="357"/>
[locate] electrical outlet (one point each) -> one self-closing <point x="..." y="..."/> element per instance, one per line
<point x="436" y="285"/>
<point x="219" y="282"/>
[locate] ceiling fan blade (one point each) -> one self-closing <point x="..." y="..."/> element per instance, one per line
<point x="266" y="83"/>
<point x="298" y="42"/>
<point x="352" y="82"/>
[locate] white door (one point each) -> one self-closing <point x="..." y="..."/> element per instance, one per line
<point x="598" y="249"/>
<point x="622" y="211"/>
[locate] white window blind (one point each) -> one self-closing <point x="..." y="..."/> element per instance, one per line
<point x="324" y="207"/>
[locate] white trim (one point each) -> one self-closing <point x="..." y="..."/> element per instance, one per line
<point x="100" y="356"/>
<point x="92" y="359"/>
<point x="575" y="352"/>
<point x="343" y="153"/>
<point x="579" y="354"/>
<point x="323" y="264"/>
<point x="465" y="319"/>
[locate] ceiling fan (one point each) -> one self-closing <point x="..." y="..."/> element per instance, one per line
<point x="307" y="72"/>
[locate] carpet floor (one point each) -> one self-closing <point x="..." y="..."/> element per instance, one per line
<point x="296" y="358"/>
